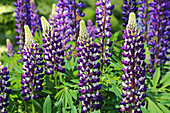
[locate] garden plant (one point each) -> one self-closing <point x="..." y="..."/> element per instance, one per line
<point x="85" y="56"/>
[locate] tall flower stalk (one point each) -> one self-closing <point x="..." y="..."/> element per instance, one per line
<point x="88" y="53"/>
<point x="4" y="88"/>
<point x="22" y="18"/>
<point x="133" y="78"/>
<point x="155" y="26"/>
<point x="32" y="68"/>
<point x="103" y="30"/>
<point x="159" y="27"/>
<point x="35" y="18"/>
<point x="53" y="52"/>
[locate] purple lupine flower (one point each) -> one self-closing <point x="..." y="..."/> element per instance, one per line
<point x="159" y="27"/>
<point x="63" y="25"/>
<point x="32" y="68"/>
<point x="10" y="51"/>
<point x="90" y="28"/>
<point x="22" y="18"/>
<point x="53" y="51"/>
<point x="103" y="30"/>
<point x="4" y="90"/>
<point x="52" y="20"/>
<point x="133" y="78"/>
<point x="88" y="53"/>
<point x="143" y="15"/>
<point x="35" y="18"/>
<point x="75" y="15"/>
<point x="128" y="7"/>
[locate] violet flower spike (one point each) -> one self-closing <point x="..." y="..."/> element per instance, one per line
<point x="159" y="27"/>
<point x="10" y="51"/>
<point x="88" y="53"/>
<point x="133" y="78"/>
<point x="63" y="25"/>
<point x="23" y="17"/>
<point x="35" y="18"/>
<point x="103" y="30"/>
<point x="128" y="7"/>
<point x="53" y="51"/>
<point x="4" y="90"/>
<point x="32" y="68"/>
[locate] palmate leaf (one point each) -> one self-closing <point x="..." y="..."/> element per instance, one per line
<point x="66" y="95"/>
<point x="153" y="108"/>
<point x="57" y="106"/>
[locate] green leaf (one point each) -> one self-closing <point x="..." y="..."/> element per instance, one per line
<point x="64" y="110"/>
<point x="18" y="69"/>
<point x="156" y="77"/>
<point x="116" y="91"/>
<point x="165" y="77"/>
<point x="153" y="108"/>
<point x="56" y="106"/>
<point x="165" y="102"/>
<point x="47" y="105"/>
<point x="37" y="106"/>
<point x="73" y="110"/>
<point x="164" y="109"/>
<point x="144" y="110"/>
<point x="73" y="94"/>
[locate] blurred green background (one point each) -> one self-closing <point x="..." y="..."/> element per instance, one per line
<point x="7" y="19"/>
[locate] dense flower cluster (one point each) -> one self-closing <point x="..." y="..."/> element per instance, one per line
<point x="103" y="30"/>
<point x="35" y="18"/>
<point x="91" y="28"/>
<point x="10" y="51"/>
<point x="159" y="27"/>
<point x="88" y="53"/>
<point x="22" y="18"/>
<point x="53" y="52"/>
<point x="4" y="88"/>
<point x="134" y="68"/>
<point x="32" y="68"/>
<point x="128" y="7"/>
<point x="67" y="22"/>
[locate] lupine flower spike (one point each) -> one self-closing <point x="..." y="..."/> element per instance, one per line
<point x="4" y="88"/>
<point x="159" y="27"/>
<point x="103" y="30"/>
<point x="88" y="53"/>
<point x="10" y="51"/>
<point x="35" y="18"/>
<point x="128" y="7"/>
<point x="63" y="25"/>
<point x="53" y="52"/>
<point x="23" y="17"/>
<point x="134" y="68"/>
<point x="32" y="68"/>
<point x="144" y="18"/>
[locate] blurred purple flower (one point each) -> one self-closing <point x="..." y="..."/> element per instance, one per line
<point x="4" y="90"/>
<point x="10" y="51"/>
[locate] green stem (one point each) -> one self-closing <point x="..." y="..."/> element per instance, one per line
<point x="55" y="77"/>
